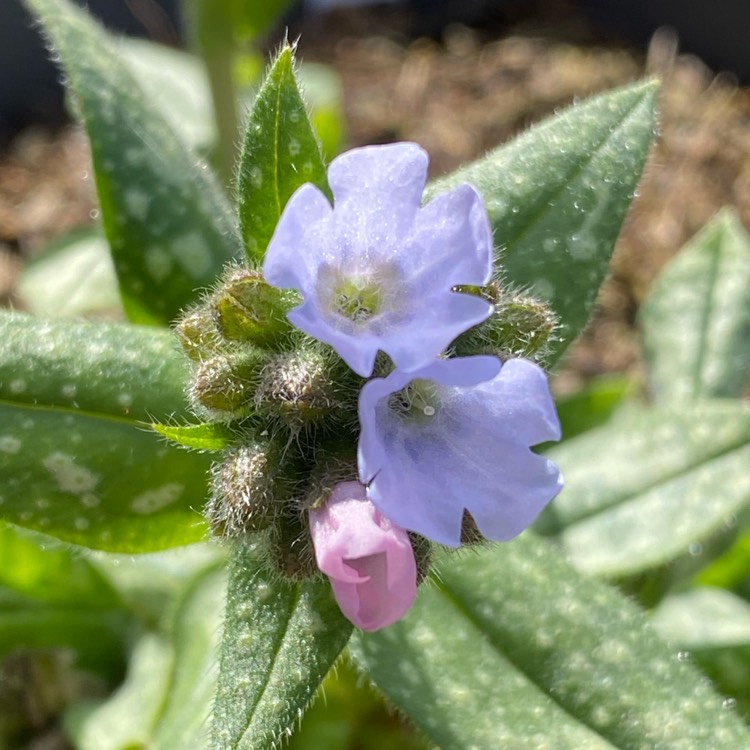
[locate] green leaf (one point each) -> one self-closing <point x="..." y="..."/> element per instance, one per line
<point x="704" y="618"/>
<point x="74" y="276"/>
<point x="94" y="639"/>
<point x="280" y="640"/>
<point x="202" y="437"/>
<point x="557" y="196"/>
<point x="322" y="89"/>
<point x="51" y="573"/>
<point x="125" y="720"/>
<point x="696" y="320"/>
<point x="280" y="152"/>
<point x="150" y="584"/>
<point x="176" y="83"/>
<point x="75" y="462"/>
<point x="729" y="570"/>
<point x="514" y="649"/>
<point x="98" y="482"/>
<point x="184" y="720"/>
<point x="53" y="598"/>
<point x="594" y="405"/>
<point x="219" y="22"/>
<point x="644" y="489"/>
<point x="168" y="225"/>
<point x="117" y="370"/>
<point x="166" y="698"/>
<point x="715" y="626"/>
<point x="251" y="18"/>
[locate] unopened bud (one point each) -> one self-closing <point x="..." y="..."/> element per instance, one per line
<point x="369" y="560"/>
<point x="247" y="490"/>
<point x="304" y="386"/>
<point x="520" y="326"/>
<point x="197" y="333"/>
<point x="246" y="308"/>
<point x="222" y="387"/>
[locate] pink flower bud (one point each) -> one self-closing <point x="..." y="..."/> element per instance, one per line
<point x="369" y="560"/>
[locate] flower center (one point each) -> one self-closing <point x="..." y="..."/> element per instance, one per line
<point x="360" y="298"/>
<point x="418" y="401"/>
<point x="357" y="299"/>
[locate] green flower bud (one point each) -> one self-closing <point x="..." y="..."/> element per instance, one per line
<point x="305" y="386"/>
<point x="246" y="308"/>
<point x="520" y="326"/>
<point x="197" y="333"/>
<point x="222" y="387"/>
<point x="248" y="489"/>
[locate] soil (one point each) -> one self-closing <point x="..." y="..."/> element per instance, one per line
<point x="459" y="96"/>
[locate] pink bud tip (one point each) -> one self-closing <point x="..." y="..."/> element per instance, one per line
<point x="369" y="560"/>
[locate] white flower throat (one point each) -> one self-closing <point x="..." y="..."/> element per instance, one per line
<point x="361" y="298"/>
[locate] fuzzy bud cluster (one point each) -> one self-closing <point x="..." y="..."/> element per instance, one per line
<point x="292" y="404"/>
<point x="519" y="326"/>
<point x="378" y="385"/>
<point x="283" y="395"/>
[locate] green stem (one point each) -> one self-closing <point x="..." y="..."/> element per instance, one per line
<point x="219" y="65"/>
<point x="209" y="29"/>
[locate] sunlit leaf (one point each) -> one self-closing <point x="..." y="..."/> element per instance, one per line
<point x="515" y="649"/>
<point x="592" y="406"/>
<point x="184" y="721"/>
<point x="696" y="320"/>
<point x="280" y="640"/>
<point x="51" y="573"/>
<point x="74" y="276"/>
<point x="75" y="462"/>
<point x="642" y="490"/>
<point x="125" y="720"/>
<point x="119" y="370"/>
<point x="557" y="196"/>
<point x="204" y="437"/>
<point x="176" y="82"/>
<point x="167" y="222"/>
<point x="280" y="152"/>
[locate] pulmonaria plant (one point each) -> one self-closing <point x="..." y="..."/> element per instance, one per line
<point x="373" y="282"/>
<point x="367" y="388"/>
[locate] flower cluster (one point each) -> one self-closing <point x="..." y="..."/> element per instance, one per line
<point x="373" y="386"/>
<point x="444" y="441"/>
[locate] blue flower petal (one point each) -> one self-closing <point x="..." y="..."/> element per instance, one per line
<point x="459" y="438"/>
<point x="377" y="272"/>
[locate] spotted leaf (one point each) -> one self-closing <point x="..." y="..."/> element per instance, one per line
<point x="168" y="225"/>
<point x="511" y="647"/>
<point x="76" y="461"/>
<point x="557" y="196"/>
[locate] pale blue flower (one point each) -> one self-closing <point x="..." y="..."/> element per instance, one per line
<point x="455" y="436"/>
<point x="376" y="271"/>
